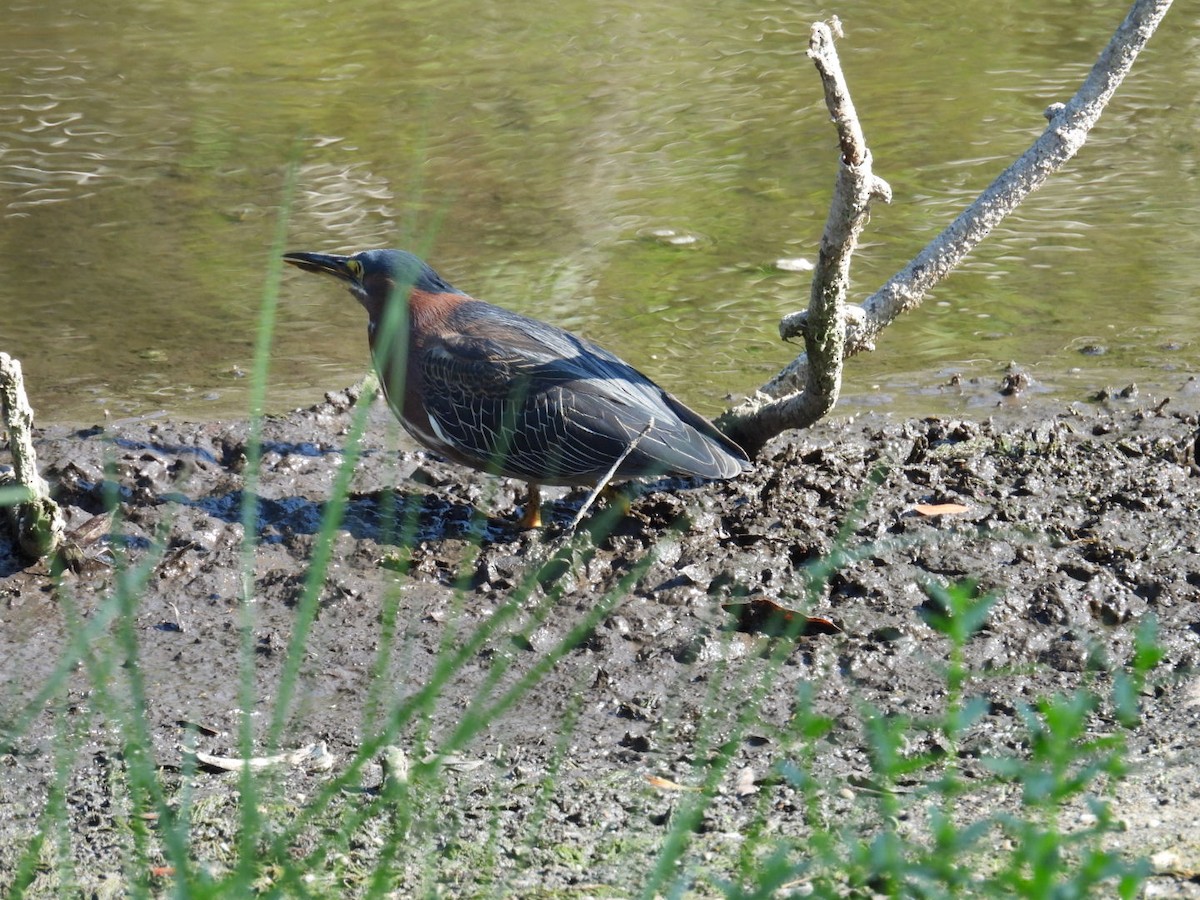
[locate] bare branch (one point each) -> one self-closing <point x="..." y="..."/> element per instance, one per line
<point x="773" y="409"/>
<point x="825" y="324"/>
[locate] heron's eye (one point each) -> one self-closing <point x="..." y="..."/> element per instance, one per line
<point x="354" y="267"/>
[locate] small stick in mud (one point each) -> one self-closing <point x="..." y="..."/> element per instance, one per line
<point x="603" y="482"/>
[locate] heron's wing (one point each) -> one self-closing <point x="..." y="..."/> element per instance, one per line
<point x="526" y="399"/>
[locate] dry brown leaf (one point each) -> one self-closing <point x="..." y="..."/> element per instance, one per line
<point x="940" y="509"/>
<point x="763" y="615"/>
<point x="667" y="784"/>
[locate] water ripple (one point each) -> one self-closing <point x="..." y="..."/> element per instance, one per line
<point x="62" y="134"/>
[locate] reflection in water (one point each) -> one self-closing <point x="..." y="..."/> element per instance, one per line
<point x="539" y="156"/>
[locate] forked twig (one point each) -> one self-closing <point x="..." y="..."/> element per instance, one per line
<point x="780" y="405"/>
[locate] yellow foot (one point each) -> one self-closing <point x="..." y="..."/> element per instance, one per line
<point x="616" y="497"/>
<point x="532" y="517"/>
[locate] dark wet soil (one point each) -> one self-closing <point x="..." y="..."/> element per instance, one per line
<point x="1084" y="519"/>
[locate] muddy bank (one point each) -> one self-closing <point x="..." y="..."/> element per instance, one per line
<point x="1083" y="518"/>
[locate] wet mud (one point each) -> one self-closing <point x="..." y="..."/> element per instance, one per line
<point x="1084" y="519"/>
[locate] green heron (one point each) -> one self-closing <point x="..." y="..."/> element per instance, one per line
<point x="513" y="396"/>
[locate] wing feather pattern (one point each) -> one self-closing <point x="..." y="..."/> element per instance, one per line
<point x="528" y="400"/>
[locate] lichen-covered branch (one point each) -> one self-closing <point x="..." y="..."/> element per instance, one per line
<point x="774" y="409"/>
<point x="37" y="520"/>
<point x="825" y="325"/>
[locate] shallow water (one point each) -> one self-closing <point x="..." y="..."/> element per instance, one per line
<point x="537" y="156"/>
